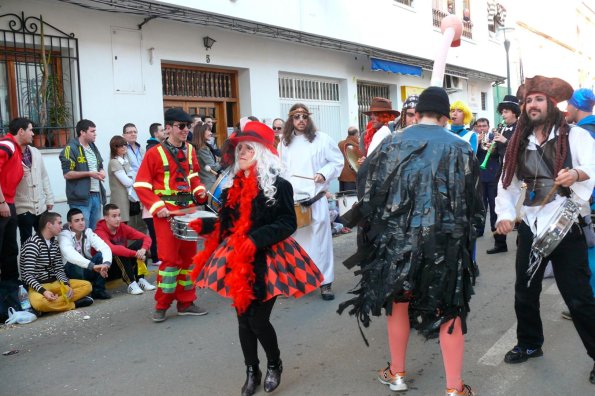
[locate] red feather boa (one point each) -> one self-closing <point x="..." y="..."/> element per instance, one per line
<point x="240" y="279"/>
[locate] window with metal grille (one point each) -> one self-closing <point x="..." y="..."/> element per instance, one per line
<point x="39" y="78"/>
<point x="365" y="93"/>
<point x="405" y="2"/>
<point x="187" y="82"/>
<point x="305" y="89"/>
<point x="484" y="99"/>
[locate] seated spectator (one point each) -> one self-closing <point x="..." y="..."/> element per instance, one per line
<point x="42" y="271"/>
<point x="76" y="242"/>
<point x="125" y="254"/>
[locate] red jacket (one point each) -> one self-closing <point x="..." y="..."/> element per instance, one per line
<point x="118" y="241"/>
<point x="150" y="179"/>
<point x="11" y="167"/>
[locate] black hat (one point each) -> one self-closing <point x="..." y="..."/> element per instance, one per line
<point x="177" y="115"/>
<point x="434" y="99"/>
<point x="511" y="103"/>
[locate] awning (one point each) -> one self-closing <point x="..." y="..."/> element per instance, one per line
<point x="394" y="67"/>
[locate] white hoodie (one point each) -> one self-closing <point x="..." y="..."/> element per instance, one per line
<point x="67" y="242"/>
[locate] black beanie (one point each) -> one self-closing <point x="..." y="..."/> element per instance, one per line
<point x="434" y="99"/>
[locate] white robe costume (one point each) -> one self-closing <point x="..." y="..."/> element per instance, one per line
<point x="303" y="158"/>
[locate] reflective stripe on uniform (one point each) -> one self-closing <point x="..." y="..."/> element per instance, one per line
<point x="187" y="283"/>
<point x="165" y="166"/>
<point x="201" y="187"/>
<point x="192" y="175"/>
<point x="156" y="206"/>
<point x="143" y="184"/>
<point x="168" y="282"/>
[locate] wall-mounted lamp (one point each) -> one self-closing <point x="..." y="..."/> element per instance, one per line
<point x="208" y="42"/>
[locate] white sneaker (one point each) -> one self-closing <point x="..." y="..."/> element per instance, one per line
<point x="133" y="288"/>
<point x="145" y="284"/>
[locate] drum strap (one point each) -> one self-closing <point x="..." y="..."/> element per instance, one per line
<point x="311" y="201"/>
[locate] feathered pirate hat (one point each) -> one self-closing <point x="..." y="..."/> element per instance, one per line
<point x="554" y="88"/>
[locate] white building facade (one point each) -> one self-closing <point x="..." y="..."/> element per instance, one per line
<point x="126" y="60"/>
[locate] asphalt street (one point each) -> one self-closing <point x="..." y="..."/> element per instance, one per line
<point x="120" y="351"/>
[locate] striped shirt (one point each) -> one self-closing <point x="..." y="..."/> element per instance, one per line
<point x="92" y="162"/>
<point x="40" y="263"/>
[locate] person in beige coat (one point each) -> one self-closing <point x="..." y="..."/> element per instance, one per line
<point x="34" y="193"/>
<point x="120" y="176"/>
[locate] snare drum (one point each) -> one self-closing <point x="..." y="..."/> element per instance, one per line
<point x="181" y="230"/>
<point x="346" y="200"/>
<point x="214" y="195"/>
<point x="303" y="214"/>
<point x="559" y="225"/>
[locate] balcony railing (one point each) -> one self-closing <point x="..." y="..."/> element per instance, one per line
<point x="438" y="15"/>
<point x="468" y="29"/>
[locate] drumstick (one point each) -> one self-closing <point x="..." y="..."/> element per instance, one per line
<point x="550" y="193"/>
<point x="303" y="177"/>
<point x="179" y="212"/>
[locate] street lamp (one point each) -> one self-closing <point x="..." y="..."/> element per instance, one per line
<point x="507" y="48"/>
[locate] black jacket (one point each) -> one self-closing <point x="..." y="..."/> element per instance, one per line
<point x="271" y="223"/>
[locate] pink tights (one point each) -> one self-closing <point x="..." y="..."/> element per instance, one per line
<point x="452" y="345"/>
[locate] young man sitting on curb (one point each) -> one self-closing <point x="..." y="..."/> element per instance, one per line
<point x="117" y="236"/>
<point x="42" y="271"/>
<point x="76" y="245"/>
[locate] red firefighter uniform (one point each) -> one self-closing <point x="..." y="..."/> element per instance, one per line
<point x="164" y="182"/>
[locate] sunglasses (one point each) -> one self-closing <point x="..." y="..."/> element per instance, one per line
<point x="300" y="116"/>
<point x="277" y="128"/>
<point x="182" y="125"/>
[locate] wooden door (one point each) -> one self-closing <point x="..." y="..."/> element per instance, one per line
<point x="204" y="109"/>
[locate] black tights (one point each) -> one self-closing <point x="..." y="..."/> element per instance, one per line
<point x="254" y="326"/>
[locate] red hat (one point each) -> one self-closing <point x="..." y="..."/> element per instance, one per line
<point x="258" y="132"/>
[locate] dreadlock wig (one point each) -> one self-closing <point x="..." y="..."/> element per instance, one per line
<point x="520" y="140"/>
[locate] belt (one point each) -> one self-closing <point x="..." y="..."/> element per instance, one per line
<point x="177" y="197"/>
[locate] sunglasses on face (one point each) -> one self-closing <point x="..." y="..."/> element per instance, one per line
<point x="300" y="116"/>
<point x="182" y="125"/>
<point x="277" y="128"/>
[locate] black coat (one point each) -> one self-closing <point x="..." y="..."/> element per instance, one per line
<point x="271" y="223"/>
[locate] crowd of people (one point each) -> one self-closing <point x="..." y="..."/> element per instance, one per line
<point x="423" y="190"/>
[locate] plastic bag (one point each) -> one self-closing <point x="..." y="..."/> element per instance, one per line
<point x="20" y="317"/>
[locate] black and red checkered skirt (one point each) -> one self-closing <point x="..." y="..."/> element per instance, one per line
<point x="290" y="271"/>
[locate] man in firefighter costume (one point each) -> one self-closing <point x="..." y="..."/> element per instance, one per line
<point x="168" y="181"/>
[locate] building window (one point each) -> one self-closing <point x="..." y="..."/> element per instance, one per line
<point x="405" y="2"/>
<point x="39" y="78"/>
<point x="484" y="99"/>
<point x="365" y="93"/>
<point x="306" y="89"/>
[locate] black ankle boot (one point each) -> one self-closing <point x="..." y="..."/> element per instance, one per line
<point x="253" y="378"/>
<point x="273" y="376"/>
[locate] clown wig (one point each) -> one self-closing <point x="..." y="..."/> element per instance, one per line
<point x="459" y="105"/>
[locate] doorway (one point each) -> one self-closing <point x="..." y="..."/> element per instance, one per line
<point x="203" y="91"/>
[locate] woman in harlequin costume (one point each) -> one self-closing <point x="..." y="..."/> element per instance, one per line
<point x="249" y="255"/>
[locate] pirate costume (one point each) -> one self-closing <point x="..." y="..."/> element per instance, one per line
<point x="539" y="163"/>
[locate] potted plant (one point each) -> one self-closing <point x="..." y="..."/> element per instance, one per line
<point x="58" y="112"/>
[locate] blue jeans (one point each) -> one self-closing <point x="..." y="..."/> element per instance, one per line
<point x="92" y="210"/>
<point x="75" y="272"/>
